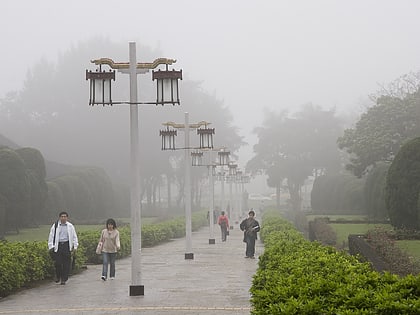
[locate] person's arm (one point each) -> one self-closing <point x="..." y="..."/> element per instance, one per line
<point x="242" y="225"/>
<point x="227" y="222"/>
<point x="75" y="239"/>
<point x="117" y="240"/>
<point x="256" y="226"/>
<point x="51" y="237"/>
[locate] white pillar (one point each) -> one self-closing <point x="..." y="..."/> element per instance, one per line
<point x="211" y="212"/>
<point x="236" y="202"/>
<point x="135" y="288"/>
<point x="222" y="188"/>
<point x="188" y="227"/>
<point x="241" y="194"/>
<point x="231" y="216"/>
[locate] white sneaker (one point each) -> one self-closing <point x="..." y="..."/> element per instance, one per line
<point x="103" y="278"/>
<point x="111" y="278"/>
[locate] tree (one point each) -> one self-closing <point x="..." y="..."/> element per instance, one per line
<point x="295" y="147"/>
<point x="380" y="132"/>
<point x="402" y="194"/>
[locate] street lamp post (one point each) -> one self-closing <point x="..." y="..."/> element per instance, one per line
<point x="100" y="94"/>
<point x="231" y="178"/>
<point x="223" y="159"/>
<point x="168" y="143"/>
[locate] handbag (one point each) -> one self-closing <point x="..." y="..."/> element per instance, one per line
<point x="100" y="245"/>
<point x="99" y="248"/>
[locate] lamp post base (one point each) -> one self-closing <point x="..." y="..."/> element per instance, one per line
<point x="189" y="256"/>
<point x="136" y="290"/>
<point x="212" y="241"/>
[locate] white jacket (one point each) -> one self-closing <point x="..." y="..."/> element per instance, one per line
<point x="73" y="241"/>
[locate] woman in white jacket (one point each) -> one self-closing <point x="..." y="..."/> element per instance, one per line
<point x="61" y="242"/>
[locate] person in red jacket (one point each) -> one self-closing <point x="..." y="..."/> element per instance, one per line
<point x="224" y="225"/>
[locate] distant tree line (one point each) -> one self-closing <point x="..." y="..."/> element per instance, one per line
<point x="384" y="152"/>
<point x="380" y="155"/>
<point x="28" y="199"/>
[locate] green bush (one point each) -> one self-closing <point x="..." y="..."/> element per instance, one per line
<point x="403" y="187"/>
<point x="296" y="276"/>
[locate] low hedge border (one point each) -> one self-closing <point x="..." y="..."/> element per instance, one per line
<point x="296" y="276"/>
<point x="24" y="263"/>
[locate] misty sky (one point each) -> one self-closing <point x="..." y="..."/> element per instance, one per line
<point x="251" y="54"/>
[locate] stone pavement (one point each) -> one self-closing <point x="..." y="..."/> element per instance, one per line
<point x="216" y="281"/>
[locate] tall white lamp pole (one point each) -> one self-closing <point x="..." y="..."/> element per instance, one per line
<point x="100" y="94"/>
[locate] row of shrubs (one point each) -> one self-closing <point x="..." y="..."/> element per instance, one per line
<point x="23" y="263"/>
<point x="296" y="276"/>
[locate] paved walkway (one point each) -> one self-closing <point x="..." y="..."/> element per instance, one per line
<point x="216" y="281"/>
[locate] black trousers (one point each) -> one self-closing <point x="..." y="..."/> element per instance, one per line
<point x="63" y="261"/>
<point x="250" y="246"/>
<point x="224" y="230"/>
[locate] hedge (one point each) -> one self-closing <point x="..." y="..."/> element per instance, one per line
<point x="296" y="276"/>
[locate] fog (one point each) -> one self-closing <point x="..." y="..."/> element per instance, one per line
<point x="251" y="54"/>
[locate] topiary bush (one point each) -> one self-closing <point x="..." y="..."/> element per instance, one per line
<point x="403" y="187"/>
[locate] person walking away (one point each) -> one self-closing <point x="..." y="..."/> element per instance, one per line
<point x="250" y="227"/>
<point x="223" y="221"/>
<point x="110" y="238"/>
<point x="62" y="241"/>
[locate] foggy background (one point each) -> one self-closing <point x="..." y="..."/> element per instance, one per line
<point x="250" y="54"/>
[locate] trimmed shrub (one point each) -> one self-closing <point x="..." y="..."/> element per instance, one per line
<point x="403" y="187"/>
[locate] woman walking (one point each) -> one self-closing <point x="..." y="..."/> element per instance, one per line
<point x="110" y="238"/>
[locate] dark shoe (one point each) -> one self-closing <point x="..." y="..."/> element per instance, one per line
<point x="63" y="282"/>
<point x="57" y="280"/>
<point x="252" y="257"/>
<point x="103" y="278"/>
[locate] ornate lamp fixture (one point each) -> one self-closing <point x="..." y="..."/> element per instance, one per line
<point x="100" y="86"/>
<point x="168" y="138"/>
<point x="167" y="86"/>
<point x="197" y="158"/>
<point x="223" y="157"/>
<point x="206" y="137"/>
<point x="220" y="176"/>
<point x="232" y="169"/>
<point x="238" y="176"/>
<point x="167" y="89"/>
<point x="168" y="135"/>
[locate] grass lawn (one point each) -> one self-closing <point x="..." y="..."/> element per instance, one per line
<point x="412" y="247"/>
<point x="41" y="233"/>
<point x="343" y="230"/>
<point x="333" y="217"/>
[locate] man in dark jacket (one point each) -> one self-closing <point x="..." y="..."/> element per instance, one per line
<point x="250" y="226"/>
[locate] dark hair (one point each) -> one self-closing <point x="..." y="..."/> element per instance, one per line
<point x="63" y="213"/>
<point x="223" y="213"/>
<point x="111" y="221"/>
<point x="252" y="212"/>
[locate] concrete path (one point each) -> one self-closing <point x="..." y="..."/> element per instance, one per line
<point x="216" y="281"/>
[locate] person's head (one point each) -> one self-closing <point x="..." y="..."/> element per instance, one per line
<point x="251" y="213"/>
<point x="110" y="224"/>
<point x="63" y="216"/>
<point x="223" y="213"/>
